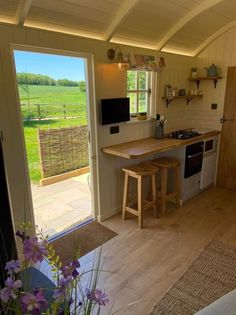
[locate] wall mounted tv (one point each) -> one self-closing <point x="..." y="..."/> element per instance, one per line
<point x="115" y="110"/>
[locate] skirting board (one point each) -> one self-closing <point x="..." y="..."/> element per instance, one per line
<point x="111" y="213"/>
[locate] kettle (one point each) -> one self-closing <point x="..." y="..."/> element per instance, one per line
<point x="213" y="71"/>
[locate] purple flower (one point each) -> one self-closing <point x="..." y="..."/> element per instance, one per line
<point x="70" y="269"/>
<point x="10" y="290"/>
<point x="34" y="250"/>
<point x="60" y="293"/>
<point x="12" y="266"/>
<point x="97" y="296"/>
<point x="33" y="303"/>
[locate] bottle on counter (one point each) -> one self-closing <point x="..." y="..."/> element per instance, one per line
<point x="159" y="129"/>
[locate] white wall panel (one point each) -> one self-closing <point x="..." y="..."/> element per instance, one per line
<point x="222" y="52"/>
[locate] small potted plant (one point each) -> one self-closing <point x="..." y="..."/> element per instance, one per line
<point x="194" y="72"/>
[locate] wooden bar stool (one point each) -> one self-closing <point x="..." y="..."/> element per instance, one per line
<point x="139" y="172"/>
<point x="165" y="164"/>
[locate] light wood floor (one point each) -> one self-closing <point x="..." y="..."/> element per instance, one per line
<point x="143" y="264"/>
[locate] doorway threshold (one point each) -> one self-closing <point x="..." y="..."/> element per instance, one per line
<point x="72" y="229"/>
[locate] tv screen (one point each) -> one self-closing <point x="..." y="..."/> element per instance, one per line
<point x="115" y="110"/>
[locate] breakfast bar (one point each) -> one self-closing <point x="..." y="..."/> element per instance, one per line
<point x="148" y="146"/>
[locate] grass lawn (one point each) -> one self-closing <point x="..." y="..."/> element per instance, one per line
<point x="49" y="95"/>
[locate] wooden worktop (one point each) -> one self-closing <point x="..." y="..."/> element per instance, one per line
<point x="147" y="146"/>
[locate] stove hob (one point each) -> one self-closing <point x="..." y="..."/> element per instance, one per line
<point x="184" y="134"/>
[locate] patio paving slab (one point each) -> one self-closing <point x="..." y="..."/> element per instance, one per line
<point x="62" y="205"/>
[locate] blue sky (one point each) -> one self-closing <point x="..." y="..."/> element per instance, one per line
<point x="55" y="66"/>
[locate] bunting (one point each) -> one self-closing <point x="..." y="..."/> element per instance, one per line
<point x="144" y="62"/>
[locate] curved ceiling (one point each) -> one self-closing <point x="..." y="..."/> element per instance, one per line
<point x="178" y="26"/>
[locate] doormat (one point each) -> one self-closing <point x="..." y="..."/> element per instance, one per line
<point x="81" y="241"/>
<point x="209" y="277"/>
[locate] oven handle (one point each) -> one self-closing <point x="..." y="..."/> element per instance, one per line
<point x="194" y="155"/>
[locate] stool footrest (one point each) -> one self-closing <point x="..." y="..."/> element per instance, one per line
<point x="131" y="210"/>
<point x="171" y="195"/>
<point x="149" y="204"/>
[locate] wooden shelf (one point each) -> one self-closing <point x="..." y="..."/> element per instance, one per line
<point x="188" y="98"/>
<point x="198" y="79"/>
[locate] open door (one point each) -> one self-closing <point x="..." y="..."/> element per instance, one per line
<point x="227" y="157"/>
<point x="55" y="107"/>
<point x="7" y="239"/>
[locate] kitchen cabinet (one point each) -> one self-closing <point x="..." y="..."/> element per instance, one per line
<point x="208" y="170"/>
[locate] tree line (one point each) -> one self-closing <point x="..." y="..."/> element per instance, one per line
<point x="25" y="78"/>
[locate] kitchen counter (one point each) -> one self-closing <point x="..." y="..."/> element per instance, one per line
<point x="147" y="146"/>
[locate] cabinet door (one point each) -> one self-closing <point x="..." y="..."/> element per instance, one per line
<point x="208" y="170"/>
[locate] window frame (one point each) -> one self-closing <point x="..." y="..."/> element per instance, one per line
<point x="137" y="91"/>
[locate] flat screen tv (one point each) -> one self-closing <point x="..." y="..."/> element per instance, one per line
<point x="115" y="110"/>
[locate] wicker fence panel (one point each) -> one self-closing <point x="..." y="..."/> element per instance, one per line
<point x="63" y="150"/>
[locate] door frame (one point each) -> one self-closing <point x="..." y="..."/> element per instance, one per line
<point x="91" y="120"/>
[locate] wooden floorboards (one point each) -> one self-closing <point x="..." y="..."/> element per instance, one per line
<point x="143" y="264"/>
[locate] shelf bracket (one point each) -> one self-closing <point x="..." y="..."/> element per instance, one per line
<point x="215" y="82"/>
<point x="189" y="99"/>
<point x="197" y="83"/>
<point x="168" y="101"/>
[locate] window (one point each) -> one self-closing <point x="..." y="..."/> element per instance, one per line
<point x="138" y="90"/>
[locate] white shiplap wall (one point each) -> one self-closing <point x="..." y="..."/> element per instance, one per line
<point x="175" y="74"/>
<point x="109" y="82"/>
<point x="221" y="52"/>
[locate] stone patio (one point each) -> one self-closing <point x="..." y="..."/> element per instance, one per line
<point x="63" y="205"/>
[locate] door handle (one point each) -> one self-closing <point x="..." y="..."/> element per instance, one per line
<point x="223" y="120"/>
<point x="194" y="155"/>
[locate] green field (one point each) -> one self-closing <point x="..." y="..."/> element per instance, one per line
<point x="39" y="101"/>
<point x="49" y="95"/>
<point x="45" y="94"/>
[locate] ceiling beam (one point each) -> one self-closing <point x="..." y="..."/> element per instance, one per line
<point x="186" y="19"/>
<point x="119" y="18"/>
<point x="210" y="39"/>
<point x="22" y="11"/>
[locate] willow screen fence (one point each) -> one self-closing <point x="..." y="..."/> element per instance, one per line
<point x="63" y="150"/>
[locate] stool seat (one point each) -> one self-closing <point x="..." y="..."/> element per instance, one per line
<point x="141" y="169"/>
<point x="138" y="172"/>
<point x="167" y="162"/>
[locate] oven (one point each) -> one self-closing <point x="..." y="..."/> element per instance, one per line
<point x="193" y="159"/>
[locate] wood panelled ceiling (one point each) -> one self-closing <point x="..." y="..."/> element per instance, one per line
<point x="178" y="26"/>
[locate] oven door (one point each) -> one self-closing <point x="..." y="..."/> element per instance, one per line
<point x="193" y="159"/>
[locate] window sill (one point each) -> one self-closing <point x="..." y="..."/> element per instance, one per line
<point x="137" y="121"/>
